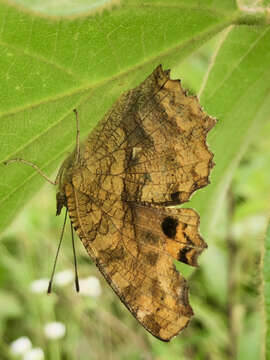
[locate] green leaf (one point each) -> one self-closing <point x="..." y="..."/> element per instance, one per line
<point x="266" y="275"/>
<point x="237" y="93"/>
<point x="50" y="66"/>
<point x="253" y="178"/>
<point x="72" y="7"/>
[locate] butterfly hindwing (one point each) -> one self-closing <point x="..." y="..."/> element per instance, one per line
<point x="137" y="261"/>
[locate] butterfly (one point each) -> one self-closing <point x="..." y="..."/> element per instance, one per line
<point x="120" y="188"/>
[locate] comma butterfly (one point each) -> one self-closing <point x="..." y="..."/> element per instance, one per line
<point x="148" y="153"/>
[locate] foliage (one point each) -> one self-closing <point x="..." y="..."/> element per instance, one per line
<point x="52" y="64"/>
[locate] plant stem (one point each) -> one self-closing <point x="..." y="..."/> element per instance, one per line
<point x="232" y="283"/>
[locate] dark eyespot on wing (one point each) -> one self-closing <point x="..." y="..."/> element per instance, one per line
<point x="182" y="255"/>
<point x="175" y="196"/>
<point x="169" y="225"/>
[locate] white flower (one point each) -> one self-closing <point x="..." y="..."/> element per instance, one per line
<point x="64" y="277"/>
<point x="20" y="346"/>
<point x="34" y="354"/>
<point x="39" y="286"/>
<point x="90" y="286"/>
<point x="54" y="330"/>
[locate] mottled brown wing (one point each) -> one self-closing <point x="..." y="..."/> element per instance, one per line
<point x="149" y="151"/>
<point x="134" y="248"/>
<point x="153" y="141"/>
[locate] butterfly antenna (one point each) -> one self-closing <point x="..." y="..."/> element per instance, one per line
<point x="56" y="256"/>
<point x="75" y="260"/>
<point x="34" y="166"/>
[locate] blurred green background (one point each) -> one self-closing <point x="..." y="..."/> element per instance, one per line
<point x="224" y="290"/>
<point x="48" y="67"/>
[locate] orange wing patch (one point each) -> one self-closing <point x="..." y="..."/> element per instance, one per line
<point x="149" y="152"/>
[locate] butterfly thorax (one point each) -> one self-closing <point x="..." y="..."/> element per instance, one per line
<point x="64" y="177"/>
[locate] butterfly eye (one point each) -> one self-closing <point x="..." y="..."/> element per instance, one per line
<point x="169" y="226"/>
